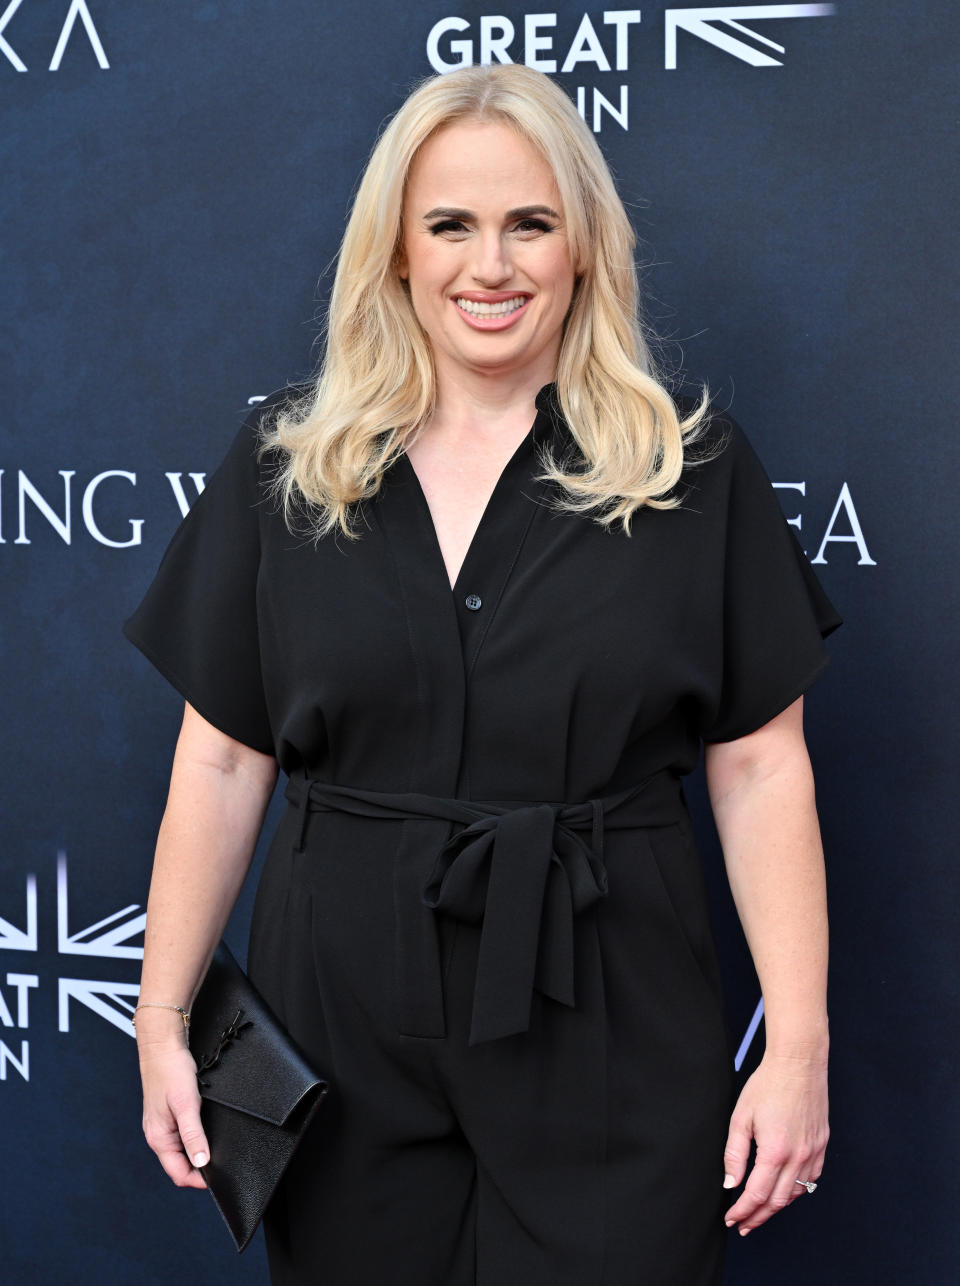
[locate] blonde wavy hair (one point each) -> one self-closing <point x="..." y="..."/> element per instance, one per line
<point x="376" y="385"/>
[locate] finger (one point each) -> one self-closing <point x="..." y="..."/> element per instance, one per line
<point x="736" y="1153"/>
<point x="760" y="1185"/>
<point x="179" y="1169"/>
<point x="192" y="1136"/>
<point x="164" y="1140"/>
<point x="811" y="1170"/>
<point x="785" y="1191"/>
<point x="185" y="1106"/>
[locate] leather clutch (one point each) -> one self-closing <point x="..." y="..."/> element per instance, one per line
<point x="258" y="1093"/>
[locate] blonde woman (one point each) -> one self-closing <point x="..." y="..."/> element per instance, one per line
<point x="481" y="592"/>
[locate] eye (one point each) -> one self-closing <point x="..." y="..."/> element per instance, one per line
<point x="533" y="225"/>
<point x="454" y="226"/>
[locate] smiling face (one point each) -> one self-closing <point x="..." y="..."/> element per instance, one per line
<point x="485" y="253"/>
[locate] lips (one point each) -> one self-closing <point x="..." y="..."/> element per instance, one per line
<point x="490" y="311"/>
<point x="484" y="308"/>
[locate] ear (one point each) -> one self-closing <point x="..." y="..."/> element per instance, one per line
<point x="400" y="262"/>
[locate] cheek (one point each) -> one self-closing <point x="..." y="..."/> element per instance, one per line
<point x="558" y="271"/>
<point x="426" y="273"/>
<point x="426" y="302"/>
<point x="563" y="290"/>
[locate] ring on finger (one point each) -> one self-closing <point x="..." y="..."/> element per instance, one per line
<point x="807" y="1183"/>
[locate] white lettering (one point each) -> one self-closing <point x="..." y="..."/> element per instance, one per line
<point x="28" y="490"/>
<point x="463" y="49"/>
<point x="22" y="1064"/>
<point x="79" y="9"/>
<point x="136" y="524"/>
<point x="533" y="42"/>
<point x="198" y="480"/>
<point x="845" y="502"/>
<point x="621" y="19"/>
<point x="715" y="25"/>
<point x="794" y="486"/>
<point x="600" y="102"/>
<point x="586" y="48"/>
<point x="23" y="982"/>
<point x="495" y="46"/>
<point x="7" y="50"/>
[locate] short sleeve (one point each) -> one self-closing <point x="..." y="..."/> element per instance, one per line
<point x="197" y="622"/>
<point x="776" y="613"/>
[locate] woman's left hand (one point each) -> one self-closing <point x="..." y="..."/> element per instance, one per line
<point x="783" y="1106"/>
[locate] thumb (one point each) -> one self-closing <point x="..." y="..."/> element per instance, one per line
<point x="736" y="1153"/>
<point x="193" y="1137"/>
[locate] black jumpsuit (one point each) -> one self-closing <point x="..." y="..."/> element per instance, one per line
<point x="483" y="914"/>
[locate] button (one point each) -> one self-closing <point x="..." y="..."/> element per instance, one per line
<point x="474" y="602"/>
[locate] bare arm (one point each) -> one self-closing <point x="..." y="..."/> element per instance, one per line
<point x="219" y="791"/>
<point x="762" y="794"/>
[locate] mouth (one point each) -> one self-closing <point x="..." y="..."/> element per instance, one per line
<point x="496" y="314"/>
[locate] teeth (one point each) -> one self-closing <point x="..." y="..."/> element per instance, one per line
<point x="491" y="310"/>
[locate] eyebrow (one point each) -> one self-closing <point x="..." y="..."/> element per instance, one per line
<point x="522" y="212"/>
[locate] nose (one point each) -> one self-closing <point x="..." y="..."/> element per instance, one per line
<point x="492" y="266"/>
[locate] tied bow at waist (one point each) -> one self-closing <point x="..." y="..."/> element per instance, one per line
<point x="523" y="869"/>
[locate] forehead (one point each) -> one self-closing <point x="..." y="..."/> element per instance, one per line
<point x="480" y="163"/>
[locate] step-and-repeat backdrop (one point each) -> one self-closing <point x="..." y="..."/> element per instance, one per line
<point x="174" y="184"/>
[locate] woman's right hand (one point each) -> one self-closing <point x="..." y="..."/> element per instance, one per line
<point x="171" y="1100"/>
<point x="219" y="792"/>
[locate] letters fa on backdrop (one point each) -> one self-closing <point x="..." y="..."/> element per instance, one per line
<point x="78" y="9"/>
<point x="108" y="938"/>
<point x="453" y="42"/>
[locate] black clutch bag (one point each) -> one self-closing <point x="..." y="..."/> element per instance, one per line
<point x="258" y="1093"/>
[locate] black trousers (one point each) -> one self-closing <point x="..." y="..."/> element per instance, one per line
<point x="584" y="1151"/>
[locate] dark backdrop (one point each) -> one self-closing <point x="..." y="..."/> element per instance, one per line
<point x="174" y="183"/>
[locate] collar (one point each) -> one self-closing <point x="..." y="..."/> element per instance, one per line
<point x="550" y="425"/>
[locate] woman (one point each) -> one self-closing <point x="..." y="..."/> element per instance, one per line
<point x="481" y="592"/>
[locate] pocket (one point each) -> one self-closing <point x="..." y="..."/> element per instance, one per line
<point x="679" y="877"/>
<point x="273" y="929"/>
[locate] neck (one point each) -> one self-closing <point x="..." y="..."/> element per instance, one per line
<point x="486" y="406"/>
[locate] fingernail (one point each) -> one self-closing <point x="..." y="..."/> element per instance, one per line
<point x="744" y="1231"/>
<point x="729" y="1181"/>
<point x="200" y="1159"/>
<point x="729" y="1222"/>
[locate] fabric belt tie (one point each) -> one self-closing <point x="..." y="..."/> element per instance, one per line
<point x="521" y="868"/>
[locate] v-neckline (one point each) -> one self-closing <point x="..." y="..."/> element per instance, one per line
<point x="486" y="516"/>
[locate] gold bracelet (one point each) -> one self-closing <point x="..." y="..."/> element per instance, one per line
<point x="150" y="1004"/>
